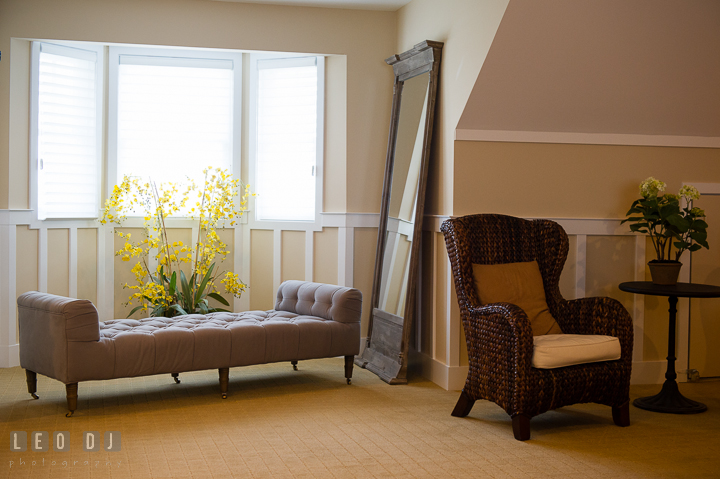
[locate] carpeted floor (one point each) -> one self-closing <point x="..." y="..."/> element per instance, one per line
<point x="280" y="423"/>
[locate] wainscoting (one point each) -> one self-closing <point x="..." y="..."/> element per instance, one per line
<point x="76" y="258"/>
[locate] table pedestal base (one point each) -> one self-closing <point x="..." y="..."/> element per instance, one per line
<point x="670" y="400"/>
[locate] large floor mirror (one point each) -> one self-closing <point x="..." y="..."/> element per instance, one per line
<point x="394" y="294"/>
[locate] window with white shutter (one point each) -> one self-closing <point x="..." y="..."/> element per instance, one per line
<point x="173" y="115"/>
<point x="66" y="141"/>
<point x="288" y="138"/>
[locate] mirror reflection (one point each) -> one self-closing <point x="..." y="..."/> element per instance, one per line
<point x="403" y="195"/>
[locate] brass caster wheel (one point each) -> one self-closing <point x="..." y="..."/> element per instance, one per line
<point x="69" y="414"/>
<point x="34" y="396"/>
<point x="349" y="380"/>
<point x="224" y="395"/>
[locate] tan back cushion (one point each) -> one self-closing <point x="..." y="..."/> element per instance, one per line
<point x="519" y="284"/>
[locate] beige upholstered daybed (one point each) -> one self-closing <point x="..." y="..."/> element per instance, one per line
<point x="63" y="339"/>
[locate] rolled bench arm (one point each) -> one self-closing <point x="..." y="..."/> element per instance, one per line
<point x="335" y="303"/>
<point x="47" y="323"/>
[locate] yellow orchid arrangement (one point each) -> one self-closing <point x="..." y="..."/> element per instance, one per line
<point x="162" y="286"/>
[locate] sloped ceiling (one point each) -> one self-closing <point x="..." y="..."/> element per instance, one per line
<point x="649" y="67"/>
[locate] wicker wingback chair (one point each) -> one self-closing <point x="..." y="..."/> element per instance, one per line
<point x="499" y="337"/>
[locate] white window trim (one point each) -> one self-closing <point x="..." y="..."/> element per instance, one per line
<point x="34" y="113"/>
<point x="168" y="54"/>
<point x="292" y="225"/>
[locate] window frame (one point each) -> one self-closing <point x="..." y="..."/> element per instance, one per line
<point x="300" y="225"/>
<point x="113" y="58"/>
<point x="34" y="160"/>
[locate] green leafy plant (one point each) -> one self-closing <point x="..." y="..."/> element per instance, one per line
<point x="668" y="224"/>
<point x="162" y="288"/>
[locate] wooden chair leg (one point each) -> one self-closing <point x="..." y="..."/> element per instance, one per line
<point x="294" y="365"/>
<point x="176" y="377"/>
<point x="31" y="378"/>
<point x="224" y="374"/>
<point x="349" y="362"/>
<point x="521" y="427"/>
<point x="621" y="415"/>
<point x="71" y="391"/>
<point x="463" y="406"/>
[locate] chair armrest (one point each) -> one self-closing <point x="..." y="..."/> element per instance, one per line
<point x="598" y="315"/>
<point x="499" y="336"/>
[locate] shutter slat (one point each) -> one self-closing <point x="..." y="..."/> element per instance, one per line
<point x="286" y="142"/>
<point x="173" y="121"/>
<point x="67" y="134"/>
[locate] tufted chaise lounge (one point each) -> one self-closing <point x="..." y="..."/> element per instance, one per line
<point x="63" y="339"/>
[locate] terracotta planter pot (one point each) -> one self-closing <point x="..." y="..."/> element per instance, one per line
<point x="666" y="272"/>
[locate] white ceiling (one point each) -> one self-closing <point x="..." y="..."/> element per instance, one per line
<point x="389" y="5"/>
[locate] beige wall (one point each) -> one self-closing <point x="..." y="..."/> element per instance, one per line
<point x="365" y="37"/>
<point x="569" y="181"/>
<point x="467" y="27"/>
<point x="616" y="66"/>
<point x="357" y="103"/>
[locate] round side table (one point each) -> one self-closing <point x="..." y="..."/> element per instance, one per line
<point x="669" y="399"/>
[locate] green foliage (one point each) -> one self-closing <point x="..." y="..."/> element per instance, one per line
<point x="666" y="222"/>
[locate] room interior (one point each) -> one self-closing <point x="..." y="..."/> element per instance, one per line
<point x="552" y="109"/>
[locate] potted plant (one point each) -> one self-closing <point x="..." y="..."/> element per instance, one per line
<point x="669" y="225"/>
<point x="172" y="278"/>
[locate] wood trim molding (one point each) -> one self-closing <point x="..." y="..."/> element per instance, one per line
<point x="587" y="138"/>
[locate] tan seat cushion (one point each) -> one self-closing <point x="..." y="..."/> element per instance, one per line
<point x="560" y="350"/>
<point x="519" y="284"/>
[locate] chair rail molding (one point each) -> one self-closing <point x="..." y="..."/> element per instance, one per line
<point x="10" y="220"/>
<point x="445" y="371"/>
<point x="509" y="136"/>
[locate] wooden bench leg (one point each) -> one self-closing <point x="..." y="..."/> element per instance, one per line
<point x="621" y="415"/>
<point x="463" y="406"/>
<point x="71" y="391"/>
<point x="31" y="378"/>
<point x="176" y="377"/>
<point x="349" y="362"/>
<point x="521" y="427"/>
<point x="294" y="365"/>
<point x="224" y="374"/>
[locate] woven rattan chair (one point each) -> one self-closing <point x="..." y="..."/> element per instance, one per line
<point x="499" y="337"/>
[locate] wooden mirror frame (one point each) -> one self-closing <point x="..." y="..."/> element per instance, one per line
<point x="388" y="335"/>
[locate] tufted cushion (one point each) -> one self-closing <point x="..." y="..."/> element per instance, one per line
<point x="130" y="347"/>
<point x="323" y="300"/>
<point x="560" y="350"/>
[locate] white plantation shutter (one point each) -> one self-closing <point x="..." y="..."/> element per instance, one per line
<point x="174" y="117"/>
<point x="68" y="143"/>
<point x="287" y="119"/>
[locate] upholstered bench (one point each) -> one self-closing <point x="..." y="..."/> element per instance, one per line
<point x="63" y="339"/>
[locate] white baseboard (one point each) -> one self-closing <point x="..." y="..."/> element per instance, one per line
<point x="450" y="378"/>
<point x="9" y="356"/>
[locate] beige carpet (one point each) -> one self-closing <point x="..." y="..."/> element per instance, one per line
<point x="279" y="423"/>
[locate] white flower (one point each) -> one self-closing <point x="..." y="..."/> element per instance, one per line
<point x="689" y="192"/>
<point x="651" y="187"/>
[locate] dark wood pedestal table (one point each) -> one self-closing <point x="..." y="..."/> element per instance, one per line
<point x="669" y="398"/>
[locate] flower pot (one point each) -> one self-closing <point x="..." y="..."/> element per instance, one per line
<point x="664" y="272"/>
